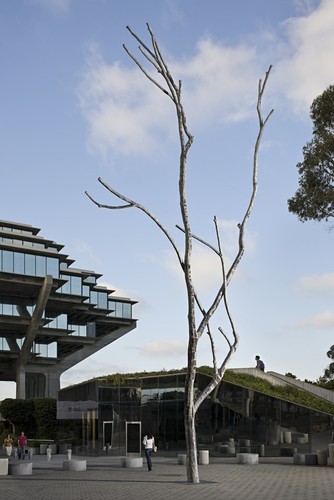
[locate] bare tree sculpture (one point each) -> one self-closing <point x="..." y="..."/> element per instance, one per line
<point x="198" y="317"/>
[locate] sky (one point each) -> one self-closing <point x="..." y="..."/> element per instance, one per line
<point x="74" y="107"/>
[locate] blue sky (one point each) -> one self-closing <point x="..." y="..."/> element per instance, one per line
<point x="73" y="107"/>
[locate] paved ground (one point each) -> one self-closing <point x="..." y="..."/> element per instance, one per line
<point x="273" y="478"/>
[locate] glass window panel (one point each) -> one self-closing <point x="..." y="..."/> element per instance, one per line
<point x="66" y="286"/>
<point x="52" y="267"/>
<point x="75" y="285"/>
<point x="103" y="300"/>
<point x="93" y="297"/>
<point x="119" y="309"/>
<point x="41" y="349"/>
<point x="18" y="263"/>
<point x="52" y="350"/>
<point x="127" y="310"/>
<point x="4" y="344"/>
<point x="62" y="321"/>
<point x="90" y="279"/>
<point x="7" y="309"/>
<point x="29" y="264"/>
<point x="40" y="265"/>
<point x="7" y="261"/>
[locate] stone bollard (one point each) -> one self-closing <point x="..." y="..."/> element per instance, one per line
<point x="287" y="437"/>
<point x="132" y="462"/>
<point x="48" y="454"/>
<point x="203" y="457"/>
<point x="21" y="468"/>
<point x="4" y="466"/>
<point x="68" y="454"/>
<point x="261" y="450"/>
<point x="75" y="465"/>
<point x="247" y="458"/>
<point x="30" y="453"/>
<point x="181" y="459"/>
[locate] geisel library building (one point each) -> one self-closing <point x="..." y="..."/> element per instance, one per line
<point x="53" y="315"/>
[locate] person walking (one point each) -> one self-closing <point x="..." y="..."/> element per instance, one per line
<point x="22" y="442"/>
<point x="148" y="442"/>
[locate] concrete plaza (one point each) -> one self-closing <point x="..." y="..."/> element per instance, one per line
<point x="273" y="478"/>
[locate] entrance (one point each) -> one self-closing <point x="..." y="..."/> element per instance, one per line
<point x="133" y="438"/>
<point x="107" y="435"/>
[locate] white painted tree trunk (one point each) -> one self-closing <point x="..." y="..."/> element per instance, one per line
<point x="195" y="330"/>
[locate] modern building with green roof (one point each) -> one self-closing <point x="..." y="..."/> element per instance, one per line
<point x="268" y="410"/>
<point x="52" y="315"/>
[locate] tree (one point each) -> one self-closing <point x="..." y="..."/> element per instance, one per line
<point x="329" y="371"/>
<point x="198" y="318"/>
<point x="314" y="199"/>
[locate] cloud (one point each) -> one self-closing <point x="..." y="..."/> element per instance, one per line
<point x="323" y="320"/>
<point x="320" y="284"/>
<point x="217" y="82"/>
<point x="206" y="264"/>
<point x="307" y="68"/>
<point x="169" y="348"/>
<point x="127" y="115"/>
<point x="123" y="113"/>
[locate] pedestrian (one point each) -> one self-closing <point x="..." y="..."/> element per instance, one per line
<point x="22" y="442"/>
<point x="8" y="444"/>
<point x="148" y="442"/>
<point x="259" y="363"/>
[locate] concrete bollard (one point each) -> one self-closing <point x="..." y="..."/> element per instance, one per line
<point x="48" y="454"/>
<point x="287" y="437"/>
<point x="247" y="458"/>
<point x="3" y="466"/>
<point x="68" y="454"/>
<point x="132" y="462"/>
<point x="181" y="459"/>
<point x="203" y="458"/>
<point x="75" y="465"/>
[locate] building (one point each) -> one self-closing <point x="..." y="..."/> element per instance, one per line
<point x="112" y="414"/>
<point x="52" y="315"/>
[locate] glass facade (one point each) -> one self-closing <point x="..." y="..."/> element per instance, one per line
<point x="77" y="314"/>
<point x="158" y="403"/>
<point x="28" y="263"/>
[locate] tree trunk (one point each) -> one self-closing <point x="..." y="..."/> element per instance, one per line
<point x="189" y="416"/>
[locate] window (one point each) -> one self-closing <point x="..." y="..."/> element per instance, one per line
<point x="52" y="267"/>
<point x="40" y="265"/>
<point x="30" y="264"/>
<point x="7" y="261"/>
<point x="120" y="309"/>
<point x="18" y="263"/>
